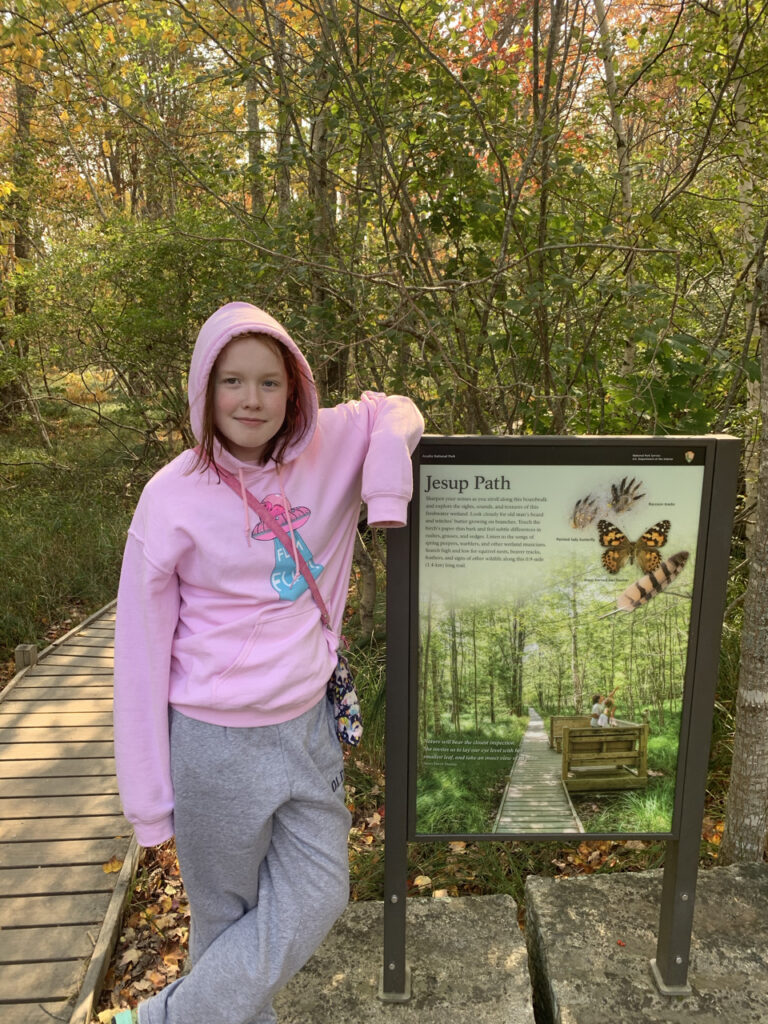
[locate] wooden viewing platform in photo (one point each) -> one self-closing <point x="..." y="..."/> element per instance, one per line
<point x="600" y="759"/>
<point x="67" y="855"/>
<point x="535" y="799"/>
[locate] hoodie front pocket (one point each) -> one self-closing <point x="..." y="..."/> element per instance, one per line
<point x="244" y="655"/>
<point x="281" y="664"/>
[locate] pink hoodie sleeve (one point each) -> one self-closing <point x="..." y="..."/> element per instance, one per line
<point x="147" y="615"/>
<point x="395" y="426"/>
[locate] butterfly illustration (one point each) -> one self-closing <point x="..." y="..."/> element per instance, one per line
<point x="641" y="591"/>
<point x="620" y="550"/>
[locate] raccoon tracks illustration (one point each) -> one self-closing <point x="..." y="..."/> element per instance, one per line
<point x="624" y="495"/>
<point x="622" y="498"/>
<point x="584" y="512"/>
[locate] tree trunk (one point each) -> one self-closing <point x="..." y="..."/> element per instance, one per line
<point x="436" y="698"/>
<point x="746" y="819"/>
<point x="426" y="660"/>
<point x="455" y="696"/>
<point x="625" y="169"/>
<point x="575" y="671"/>
<point x="17" y="393"/>
<point x="255" y="155"/>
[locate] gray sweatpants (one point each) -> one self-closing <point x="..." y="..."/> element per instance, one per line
<point x="261" y="834"/>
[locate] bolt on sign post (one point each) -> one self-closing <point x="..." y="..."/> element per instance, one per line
<point x="554" y="617"/>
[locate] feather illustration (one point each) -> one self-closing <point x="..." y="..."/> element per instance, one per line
<point x="653" y="583"/>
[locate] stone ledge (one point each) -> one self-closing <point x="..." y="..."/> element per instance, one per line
<point x="468" y="960"/>
<point x="591" y="939"/>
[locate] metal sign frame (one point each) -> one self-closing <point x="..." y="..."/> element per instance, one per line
<point x="669" y="968"/>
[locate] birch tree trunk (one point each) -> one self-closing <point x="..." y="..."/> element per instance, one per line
<point x="746" y="819"/>
<point x="18" y="392"/>
<point x="623" y="153"/>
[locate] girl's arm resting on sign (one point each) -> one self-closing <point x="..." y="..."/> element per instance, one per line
<point x="395" y="426"/>
<point x="147" y="615"/>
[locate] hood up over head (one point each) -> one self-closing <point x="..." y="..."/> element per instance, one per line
<point x="232" y="321"/>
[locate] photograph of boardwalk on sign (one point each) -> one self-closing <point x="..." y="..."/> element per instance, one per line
<point x="554" y="604"/>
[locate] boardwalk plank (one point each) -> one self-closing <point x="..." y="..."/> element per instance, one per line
<point x="58" y="880"/>
<point x="58" y="786"/>
<point x="55" y="734"/>
<point x="55" y="707"/>
<point x="58" y="806"/>
<point x="45" y="668"/>
<point x="62" y="694"/>
<point x="63" y="681"/>
<point x="36" y="982"/>
<point x="36" y="911"/>
<point x="49" y="751"/>
<point x="62" y="852"/>
<point x="55" y="807"/>
<point x="35" y="1013"/>
<point x="76" y="649"/>
<point x="90" y="638"/>
<point x="46" y="829"/>
<point x="75" y="767"/>
<point x="30" y="945"/>
<point x="52" y="721"/>
<point x="69" y="654"/>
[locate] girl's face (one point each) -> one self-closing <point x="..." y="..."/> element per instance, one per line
<point x="250" y="392"/>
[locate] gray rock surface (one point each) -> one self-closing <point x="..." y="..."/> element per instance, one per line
<point x="591" y="940"/>
<point x="468" y="959"/>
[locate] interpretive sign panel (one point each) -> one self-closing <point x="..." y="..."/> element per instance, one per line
<point x="556" y="587"/>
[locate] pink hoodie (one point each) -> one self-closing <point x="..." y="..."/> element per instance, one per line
<point x="219" y="624"/>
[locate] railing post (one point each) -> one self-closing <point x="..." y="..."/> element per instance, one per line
<point x="26" y="655"/>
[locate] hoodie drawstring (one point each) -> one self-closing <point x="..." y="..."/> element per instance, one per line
<point x="245" y="506"/>
<point x="287" y="507"/>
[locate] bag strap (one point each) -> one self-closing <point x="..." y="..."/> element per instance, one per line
<point x="266" y="516"/>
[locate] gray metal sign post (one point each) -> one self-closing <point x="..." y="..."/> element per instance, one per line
<point x="670" y="967"/>
<point x="395" y="981"/>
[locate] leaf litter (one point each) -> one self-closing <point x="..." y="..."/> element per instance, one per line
<point x="152" y="947"/>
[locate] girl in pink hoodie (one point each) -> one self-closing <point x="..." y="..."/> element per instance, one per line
<point x="223" y="734"/>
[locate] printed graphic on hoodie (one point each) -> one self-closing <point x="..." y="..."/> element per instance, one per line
<point x="286" y="577"/>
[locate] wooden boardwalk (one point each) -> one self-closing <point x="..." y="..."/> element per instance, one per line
<point x="67" y="855"/>
<point x="535" y="799"/>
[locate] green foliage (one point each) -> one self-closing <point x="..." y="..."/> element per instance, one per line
<point x="459" y="799"/>
<point x="647" y="810"/>
<point x="464" y="797"/>
<point x="426" y="208"/>
<point x="664" y="739"/>
<point x="404" y="198"/>
<point x="62" y="532"/>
